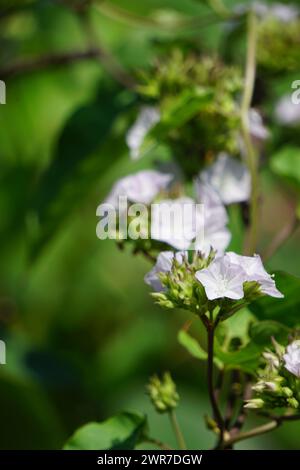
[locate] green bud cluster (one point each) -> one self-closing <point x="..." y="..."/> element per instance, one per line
<point x="277" y="39"/>
<point x="215" y="125"/>
<point x="183" y="290"/>
<point x="276" y="387"/>
<point x="163" y="393"/>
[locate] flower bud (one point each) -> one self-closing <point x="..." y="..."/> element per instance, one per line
<point x="254" y="403"/>
<point x="293" y="402"/>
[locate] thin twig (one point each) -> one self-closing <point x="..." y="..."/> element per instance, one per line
<point x="241" y="417"/>
<point x="211" y="392"/>
<point x="51" y="60"/>
<point x="251" y="153"/>
<point x="232" y="398"/>
<point x="270" y="426"/>
<point x="108" y="60"/>
<point x="158" y="443"/>
<point x="288" y="230"/>
<point x="253" y="432"/>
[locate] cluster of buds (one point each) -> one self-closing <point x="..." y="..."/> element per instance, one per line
<point x="215" y="125"/>
<point x="278" y="384"/>
<point x="163" y="393"/>
<point x="213" y="284"/>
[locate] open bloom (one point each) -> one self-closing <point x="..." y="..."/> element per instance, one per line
<point x="226" y="275"/>
<point x="163" y="265"/>
<point x="141" y="187"/>
<point x="222" y="279"/>
<point x="216" y="235"/>
<point x="255" y="271"/>
<point x="147" y="119"/>
<point x="229" y="177"/>
<point x="184" y="223"/>
<point x="175" y="222"/>
<point x="292" y="358"/>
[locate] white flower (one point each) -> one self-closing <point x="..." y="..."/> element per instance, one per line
<point x="230" y="178"/>
<point x="216" y="234"/>
<point x="146" y="120"/>
<point x="284" y="13"/>
<point x="226" y="275"/>
<point x="255" y="271"/>
<point x="163" y="265"/>
<point x="185" y="224"/>
<point x="176" y="222"/>
<point x="222" y="279"/>
<point x="141" y="187"/>
<point x="292" y="358"/>
<point x="287" y="113"/>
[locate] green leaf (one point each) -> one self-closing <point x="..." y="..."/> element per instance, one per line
<point x="286" y="310"/>
<point x="245" y="359"/>
<point x="191" y="345"/>
<point x="194" y="348"/>
<point x="77" y="164"/>
<point x="123" y="431"/>
<point x="286" y="163"/>
<point x="262" y="331"/>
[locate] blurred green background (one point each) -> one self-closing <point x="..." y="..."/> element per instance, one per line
<point x="81" y="331"/>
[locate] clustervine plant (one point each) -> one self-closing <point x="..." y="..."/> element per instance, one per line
<point x="200" y="108"/>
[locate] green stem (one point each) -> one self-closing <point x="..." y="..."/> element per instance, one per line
<point x="179" y="436"/>
<point x="211" y="392"/>
<point x="251" y="153"/>
<point x="253" y="432"/>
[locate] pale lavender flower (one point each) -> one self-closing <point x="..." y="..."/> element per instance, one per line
<point x="146" y="120"/>
<point x="229" y="177"/>
<point x="163" y="265"/>
<point x="216" y="235"/>
<point x="287" y="113"/>
<point x="176" y="222"/>
<point x="255" y="271"/>
<point x="141" y="187"/>
<point x="222" y="279"/>
<point x="292" y="358"/>
<point x="280" y="11"/>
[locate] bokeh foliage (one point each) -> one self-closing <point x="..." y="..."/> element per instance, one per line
<point x="81" y="331"/>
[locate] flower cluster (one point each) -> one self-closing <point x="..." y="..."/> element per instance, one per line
<point x="278" y="384"/>
<point x="222" y="283"/>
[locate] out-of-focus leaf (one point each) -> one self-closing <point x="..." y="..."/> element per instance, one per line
<point x="286" y="163"/>
<point x="245" y="359"/>
<point x="181" y="110"/>
<point x="76" y="165"/>
<point x="28" y="417"/>
<point x="286" y="310"/>
<point x="261" y="332"/>
<point x="123" y="431"/>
